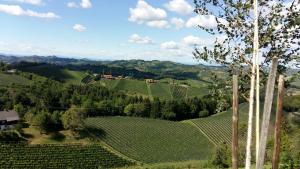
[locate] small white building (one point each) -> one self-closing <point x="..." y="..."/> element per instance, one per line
<point x="8" y="119"/>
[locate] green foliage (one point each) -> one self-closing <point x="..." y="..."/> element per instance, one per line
<point x="150" y="140"/>
<point x="291" y="103"/>
<point x="19" y="156"/>
<point x="72" y="119"/>
<point x="42" y="121"/>
<point x="221" y="157"/>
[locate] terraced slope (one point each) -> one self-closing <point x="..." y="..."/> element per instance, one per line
<point x="218" y="127"/>
<point x="58" y="157"/>
<point x="8" y="79"/>
<point x="150" y="140"/>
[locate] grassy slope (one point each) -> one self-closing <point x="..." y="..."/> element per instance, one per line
<point x="7" y="79"/>
<point x="134" y="86"/>
<point x="160" y="90"/>
<point x="54" y="72"/>
<point x="150" y="140"/>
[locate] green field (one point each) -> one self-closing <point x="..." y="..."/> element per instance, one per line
<point x="162" y="89"/>
<point x="57" y="73"/>
<point x="56" y="156"/>
<point x="150" y="140"/>
<point x="132" y="86"/>
<point x="8" y="79"/>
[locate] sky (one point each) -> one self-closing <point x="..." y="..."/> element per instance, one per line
<point x="103" y="29"/>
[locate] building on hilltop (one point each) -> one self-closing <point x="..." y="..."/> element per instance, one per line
<point x="150" y="81"/>
<point x="8" y="119"/>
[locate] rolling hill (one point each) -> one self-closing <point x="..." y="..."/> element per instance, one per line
<point x="8" y="79"/>
<point x="162" y="89"/>
<point x="150" y="140"/>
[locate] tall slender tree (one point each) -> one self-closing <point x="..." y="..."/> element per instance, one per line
<point x="234" y="45"/>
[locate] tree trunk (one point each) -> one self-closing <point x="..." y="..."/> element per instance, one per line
<point x="276" y="151"/>
<point x="267" y="114"/>
<point x="235" y="118"/>
<point x="256" y="47"/>
<point x="251" y="104"/>
<point x="251" y="99"/>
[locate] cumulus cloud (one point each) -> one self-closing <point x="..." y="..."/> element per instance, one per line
<point x="179" y="6"/>
<point x="32" y="2"/>
<point x="86" y="4"/>
<point x="143" y="12"/>
<point x="79" y="28"/>
<point x="19" y="11"/>
<point x="178" y="22"/>
<point x="192" y="40"/>
<point x="83" y="4"/>
<point x="158" y="24"/>
<point x="169" y="45"/>
<point x="207" y="21"/>
<point x="135" y="38"/>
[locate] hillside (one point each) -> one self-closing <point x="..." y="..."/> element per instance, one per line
<point x="149" y="140"/>
<point x="162" y="89"/>
<point x="8" y="79"/>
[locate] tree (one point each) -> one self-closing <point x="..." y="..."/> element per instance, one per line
<point x="278" y="34"/>
<point x="221" y="157"/>
<point x="73" y="118"/>
<point x="42" y="121"/>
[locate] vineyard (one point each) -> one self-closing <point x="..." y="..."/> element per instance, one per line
<point x="150" y="140"/>
<point x="218" y="127"/>
<point x="160" y="90"/>
<point x="8" y="79"/>
<point x="87" y="79"/>
<point x="178" y="92"/>
<point x="21" y="156"/>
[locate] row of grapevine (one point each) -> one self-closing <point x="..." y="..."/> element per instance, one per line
<point x="87" y="79"/>
<point x="21" y="156"/>
<point x="178" y="92"/>
<point x="218" y="127"/>
<point x="151" y="140"/>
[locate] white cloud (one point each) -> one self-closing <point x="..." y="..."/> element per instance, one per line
<point x="135" y="38"/>
<point x="179" y="6"/>
<point x="192" y="40"/>
<point x="32" y="2"/>
<point x="169" y="45"/>
<point x="72" y="5"/>
<point x="178" y="22"/>
<point x="207" y="21"/>
<point x="19" y="11"/>
<point x="79" y="28"/>
<point x="145" y="12"/>
<point x="83" y="4"/>
<point x="158" y="24"/>
<point x="86" y="4"/>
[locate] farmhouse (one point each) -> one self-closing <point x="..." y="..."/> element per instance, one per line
<point x="150" y="81"/>
<point x="107" y="76"/>
<point x="8" y="119"/>
<point x="11" y="71"/>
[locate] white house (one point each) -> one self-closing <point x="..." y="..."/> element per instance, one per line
<point x="8" y="119"/>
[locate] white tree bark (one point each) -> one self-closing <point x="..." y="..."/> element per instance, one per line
<point x="252" y="87"/>
<point x="256" y="51"/>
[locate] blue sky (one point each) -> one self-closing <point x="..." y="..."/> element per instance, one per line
<point x="103" y="29"/>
